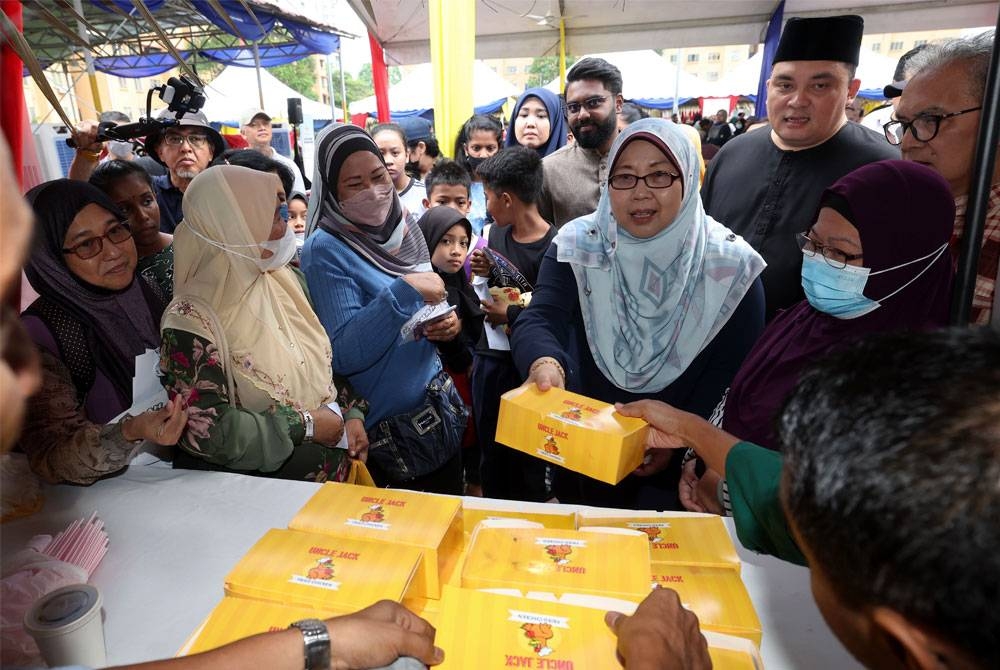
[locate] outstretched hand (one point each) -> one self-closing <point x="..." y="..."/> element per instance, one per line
<point x="661" y="634"/>
<point x="378" y="635"/>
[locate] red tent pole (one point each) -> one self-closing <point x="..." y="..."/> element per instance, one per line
<point x="380" y="77"/>
<point x="12" y="92"/>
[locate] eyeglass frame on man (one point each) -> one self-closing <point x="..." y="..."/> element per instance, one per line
<point x="592" y="103"/>
<point x="645" y="180"/>
<point x="194" y="140"/>
<point x="803" y="239"/>
<point x="75" y="249"/>
<point x="895" y="140"/>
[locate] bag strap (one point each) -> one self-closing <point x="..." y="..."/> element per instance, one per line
<point x="218" y="336"/>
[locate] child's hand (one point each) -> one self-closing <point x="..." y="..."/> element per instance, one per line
<point x="496" y="312"/>
<point x="479" y="263"/>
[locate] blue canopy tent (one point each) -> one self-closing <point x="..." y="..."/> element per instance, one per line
<point x="143" y="38"/>
<point x="660" y="103"/>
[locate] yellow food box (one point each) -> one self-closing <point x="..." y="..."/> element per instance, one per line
<point x="486" y="631"/>
<point x="573" y="431"/>
<point x="430" y="523"/>
<point x="427" y="608"/>
<point x="236" y="618"/>
<point x="732" y="653"/>
<point x="313" y="570"/>
<point x="474" y="511"/>
<point x="489" y="631"/>
<point x="677" y="538"/>
<point x="716" y="595"/>
<point x="598" y="562"/>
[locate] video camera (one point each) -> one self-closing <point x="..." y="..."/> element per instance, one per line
<point x="182" y="96"/>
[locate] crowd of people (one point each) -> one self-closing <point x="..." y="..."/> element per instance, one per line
<point x="777" y="319"/>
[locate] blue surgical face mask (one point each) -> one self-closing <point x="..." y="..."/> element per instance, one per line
<point x="283" y="211"/>
<point x="839" y="292"/>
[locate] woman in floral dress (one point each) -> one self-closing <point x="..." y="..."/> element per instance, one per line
<point x="241" y="343"/>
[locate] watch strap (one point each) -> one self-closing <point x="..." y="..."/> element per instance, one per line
<point x="316" y="638"/>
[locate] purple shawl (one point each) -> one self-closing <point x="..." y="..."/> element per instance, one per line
<point x="902" y="211"/>
<point x="118" y="325"/>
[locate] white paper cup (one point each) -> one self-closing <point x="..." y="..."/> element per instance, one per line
<point x="66" y="624"/>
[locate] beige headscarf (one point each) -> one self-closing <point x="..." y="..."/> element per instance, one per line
<point x="278" y="348"/>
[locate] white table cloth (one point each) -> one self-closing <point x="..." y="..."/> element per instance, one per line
<point x="175" y="535"/>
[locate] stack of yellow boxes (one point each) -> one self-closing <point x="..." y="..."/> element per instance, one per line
<point x="506" y="585"/>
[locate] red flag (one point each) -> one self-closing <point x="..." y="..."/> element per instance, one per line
<point x="380" y="77"/>
<point x="12" y="92"/>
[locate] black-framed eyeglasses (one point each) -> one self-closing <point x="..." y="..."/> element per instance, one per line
<point x="176" y="140"/>
<point x="590" y="103"/>
<point x="924" y="127"/>
<point x="832" y="255"/>
<point x="659" y="179"/>
<point x="92" y="246"/>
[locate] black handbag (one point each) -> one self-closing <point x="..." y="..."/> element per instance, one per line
<point x="415" y="443"/>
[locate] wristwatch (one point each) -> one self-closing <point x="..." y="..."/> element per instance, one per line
<point x="317" y="643"/>
<point x="310" y="425"/>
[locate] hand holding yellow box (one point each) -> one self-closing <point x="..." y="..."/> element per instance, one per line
<point x="573" y="431"/>
<point x="430" y="523"/>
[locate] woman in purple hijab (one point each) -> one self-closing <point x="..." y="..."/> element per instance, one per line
<point x="94" y="316"/>
<point x="875" y="260"/>
<point x="903" y="213"/>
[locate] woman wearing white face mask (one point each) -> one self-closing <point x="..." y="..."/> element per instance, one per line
<point x="369" y="272"/>
<point x="241" y="343"/>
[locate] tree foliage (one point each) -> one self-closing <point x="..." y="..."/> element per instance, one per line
<point x="356" y="87"/>
<point x="546" y="68"/>
<point x="299" y="76"/>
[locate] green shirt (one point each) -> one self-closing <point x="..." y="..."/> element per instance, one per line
<point x="753" y="475"/>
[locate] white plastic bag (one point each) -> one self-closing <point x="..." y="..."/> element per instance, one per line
<point x="27" y="576"/>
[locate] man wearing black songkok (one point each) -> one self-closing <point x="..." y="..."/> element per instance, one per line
<point x="766" y="184"/>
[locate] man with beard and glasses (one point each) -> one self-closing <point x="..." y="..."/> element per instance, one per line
<point x="765" y="186"/>
<point x="574" y="175"/>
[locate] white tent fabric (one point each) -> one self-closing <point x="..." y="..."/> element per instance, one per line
<point x="646" y="75"/>
<point x="874" y="71"/>
<point x="531" y="27"/>
<point x="235" y="90"/>
<point x="416" y="90"/>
